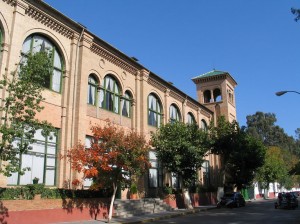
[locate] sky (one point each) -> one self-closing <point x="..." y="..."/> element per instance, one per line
<point x="256" y="41"/>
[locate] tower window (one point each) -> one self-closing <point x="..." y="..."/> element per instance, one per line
<point x="207" y="96"/>
<point x="217" y="95"/>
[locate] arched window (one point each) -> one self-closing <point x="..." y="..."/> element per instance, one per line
<point x="204" y="125"/>
<point x="217" y="95"/>
<point x="154" y="111"/>
<point x="126" y="104"/>
<point x="36" y="43"/>
<point x="207" y="96"/>
<point x="190" y="118"/>
<point x="92" y="90"/>
<point x="110" y="95"/>
<point x="174" y="113"/>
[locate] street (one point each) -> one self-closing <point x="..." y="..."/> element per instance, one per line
<point x="261" y="211"/>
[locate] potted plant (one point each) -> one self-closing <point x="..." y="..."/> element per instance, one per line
<point x="35" y="180"/>
<point x="133" y="191"/>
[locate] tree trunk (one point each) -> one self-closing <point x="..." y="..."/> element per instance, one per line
<point x="186" y="198"/>
<point x="112" y="202"/>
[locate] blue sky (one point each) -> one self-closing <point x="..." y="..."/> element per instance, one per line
<point x="256" y="41"/>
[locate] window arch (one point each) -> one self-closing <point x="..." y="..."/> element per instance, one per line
<point x="190" y="118"/>
<point x="207" y="96"/>
<point x="36" y="43"/>
<point x="217" y="95"/>
<point x="110" y="94"/>
<point x="92" y="89"/>
<point x="174" y="113"/>
<point x="204" y="125"/>
<point x="126" y="104"/>
<point x="154" y="111"/>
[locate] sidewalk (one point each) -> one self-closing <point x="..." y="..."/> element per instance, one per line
<point x="147" y="218"/>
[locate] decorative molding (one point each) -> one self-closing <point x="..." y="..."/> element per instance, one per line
<point x="49" y="21"/>
<point x="112" y="58"/>
<point x="11" y="2"/>
<point x="191" y="105"/>
<point x="156" y="84"/>
<point x="176" y="96"/>
<point x="203" y="112"/>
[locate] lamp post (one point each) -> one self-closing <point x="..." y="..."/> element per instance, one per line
<point x="280" y="93"/>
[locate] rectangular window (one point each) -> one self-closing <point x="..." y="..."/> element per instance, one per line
<point x="205" y="173"/>
<point x="88" y="143"/>
<point x="41" y="160"/>
<point x="155" y="172"/>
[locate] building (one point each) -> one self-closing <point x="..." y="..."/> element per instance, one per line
<point x="93" y="81"/>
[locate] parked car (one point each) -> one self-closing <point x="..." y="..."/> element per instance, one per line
<point x="287" y="200"/>
<point x="230" y="200"/>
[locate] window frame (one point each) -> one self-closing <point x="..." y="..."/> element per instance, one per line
<point x="47" y="142"/>
<point x="90" y="86"/>
<point x="204" y="125"/>
<point x="191" y="118"/>
<point x="157" y="168"/>
<point x="54" y="49"/>
<point x="126" y="99"/>
<point x="115" y="95"/>
<point x="158" y="113"/>
<point x="177" y="113"/>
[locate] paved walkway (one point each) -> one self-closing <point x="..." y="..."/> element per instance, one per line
<point x="146" y="218"/>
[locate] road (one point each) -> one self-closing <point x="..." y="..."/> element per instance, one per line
<point x="262" y="212"/>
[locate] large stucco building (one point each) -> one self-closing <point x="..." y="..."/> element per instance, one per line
<point x="93" y="81"/>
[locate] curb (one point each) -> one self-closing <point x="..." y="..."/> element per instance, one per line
<point x="168" y="216"/>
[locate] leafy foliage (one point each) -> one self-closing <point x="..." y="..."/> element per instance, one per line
<point x="241" y="154"/>
<point x="114" y="156"/>
<point x="286" y="148"/>
<point x="296" y="12"/>
<point x="273" y="169"/>
<point x="21" y="103"/>
<point x="181" y="149"/>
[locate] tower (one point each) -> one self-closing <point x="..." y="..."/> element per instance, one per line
<point x="215" y="90"/>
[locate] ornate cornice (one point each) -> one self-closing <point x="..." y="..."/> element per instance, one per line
<point x="205" y="113"/>
<point x="176" y="96"/>
<point x="10" y="2"/>
<point x="191" y="105"/>
<point x="48" y="21"/>
<point x="156" y="84"/>
<point x="112" y="58"/>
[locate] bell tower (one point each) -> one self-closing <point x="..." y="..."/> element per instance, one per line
<point x="215" y="90"/>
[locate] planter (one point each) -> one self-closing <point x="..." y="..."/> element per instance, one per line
<point x="133" y="196"/>
<point x="35" y="181"/>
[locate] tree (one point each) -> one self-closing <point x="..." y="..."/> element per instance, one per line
<point x="181" y="149"/>
<point x="113" y="159"/>
<point x="241" y="155"/>
<point x="262" y="125"/>
<point x="23" y="91"/>
<point x="296" y="12"/>
<point x="274" y="168"/>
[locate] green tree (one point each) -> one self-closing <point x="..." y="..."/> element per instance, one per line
<point x="274" y="168"/>
<point x="181" y="149"/>
<point x="241" y="154"/>
<point x="262" y="125"/>
<point x="18" y="109"/>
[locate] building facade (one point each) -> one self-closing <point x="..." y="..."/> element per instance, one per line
<point x="93" y="81"/>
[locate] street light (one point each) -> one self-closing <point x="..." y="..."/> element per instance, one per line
<point x="280" y="93"/>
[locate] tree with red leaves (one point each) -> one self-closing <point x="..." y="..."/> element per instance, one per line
<point x="112" y="159"/>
